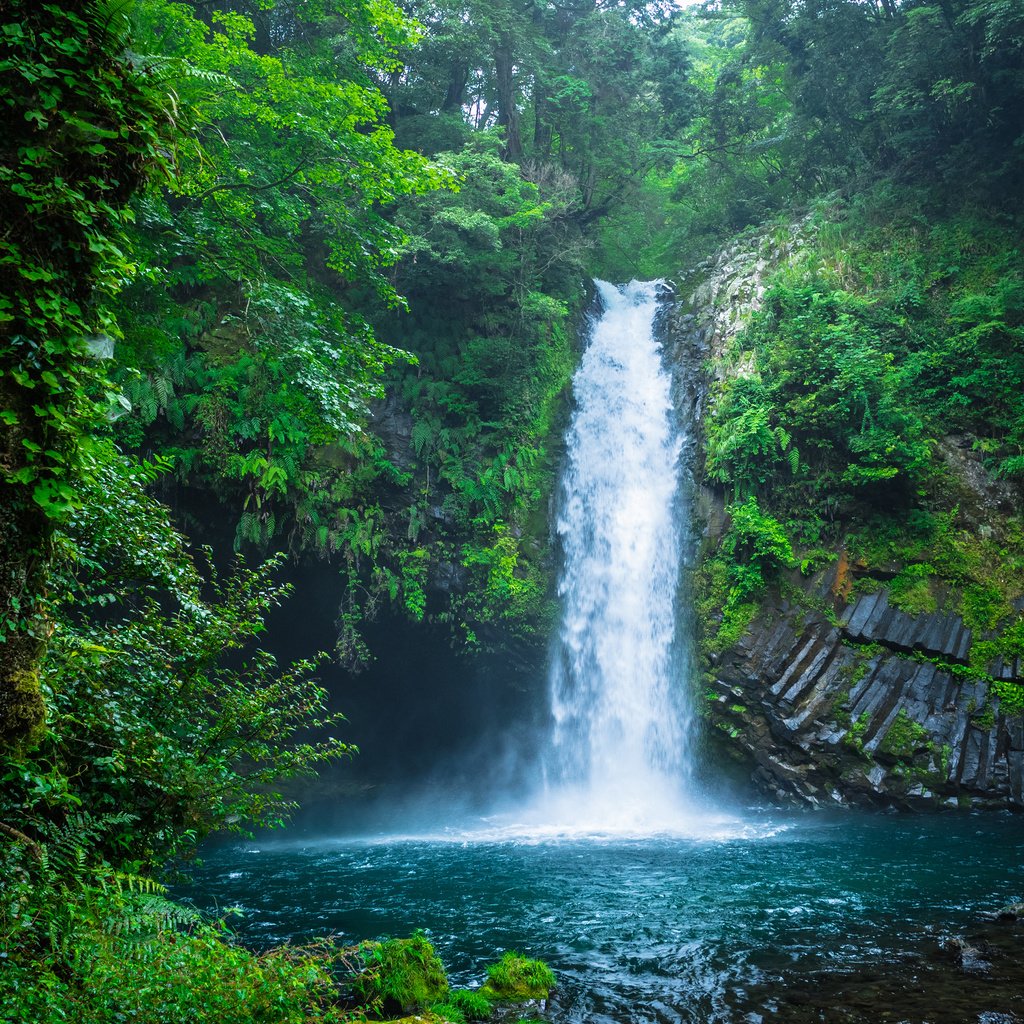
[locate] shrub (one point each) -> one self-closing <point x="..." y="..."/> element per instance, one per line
<point x="103" y="947"/>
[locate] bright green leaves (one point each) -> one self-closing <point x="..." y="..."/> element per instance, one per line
<point x="183" y="743"/>
<point x="85" y="125"/>
<point x="976" y="372"/>
<point x="285" y="146"/>
<point x="492" y="272"/>
<point x="260" y="255"/>
<point x="82" y="128"/>
<point x="746" y="446"/>
<point x="823" y="412"/>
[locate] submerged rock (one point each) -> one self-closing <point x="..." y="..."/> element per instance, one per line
<point x="970" y="958"/>
<point x="1011" y="912"/>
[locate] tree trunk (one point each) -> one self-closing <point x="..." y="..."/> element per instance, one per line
<point x="541" y="125"/>
<point x="455" y="97"/>
<point x="25" y="534"/>
<point x="508" y="111"/>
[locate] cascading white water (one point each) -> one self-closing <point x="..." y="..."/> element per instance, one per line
<point x="618" y="758"/>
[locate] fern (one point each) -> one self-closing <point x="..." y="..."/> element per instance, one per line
<point x="423" y="436"/>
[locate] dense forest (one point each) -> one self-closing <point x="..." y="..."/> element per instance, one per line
<point x="297" y="281"/>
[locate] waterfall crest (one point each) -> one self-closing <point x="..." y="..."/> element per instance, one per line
<point x="619" y="756"/>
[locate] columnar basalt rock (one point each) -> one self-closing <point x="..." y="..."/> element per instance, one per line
<point x="865" y="708"/>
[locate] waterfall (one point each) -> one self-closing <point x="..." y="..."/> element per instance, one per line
<point x="618" y="757"/>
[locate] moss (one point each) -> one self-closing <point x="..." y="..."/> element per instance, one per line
<point x="904" y="738"/>
<point x="985" y="719"/>
<point x="22" y="709"/>
<point x="721" y="618"/>
<point x="982" y="605"/>
<point x="401" y="975"/>
<point x="735" y="622"/>
<point x="911" y="590"/>
<point x="515" y="978"/>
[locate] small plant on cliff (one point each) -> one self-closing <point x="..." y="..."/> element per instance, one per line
<point x="759" y="548"/>
<point x="904" y="738"/>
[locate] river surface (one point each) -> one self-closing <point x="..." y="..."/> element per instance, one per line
<point x="723" y="926"/>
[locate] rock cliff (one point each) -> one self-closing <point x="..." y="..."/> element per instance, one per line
<point x="859" y="703"/>
<point x="833" y="695"/>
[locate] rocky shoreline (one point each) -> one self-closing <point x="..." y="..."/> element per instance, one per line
<point x="975" y="976"/>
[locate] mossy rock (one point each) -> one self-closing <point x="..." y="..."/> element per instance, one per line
<point x="517" y="979"/>
<point x="22" y="710"/>
<point x="401" y="975"/>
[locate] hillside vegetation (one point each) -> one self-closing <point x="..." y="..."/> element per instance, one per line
<point x="316" y="270"/>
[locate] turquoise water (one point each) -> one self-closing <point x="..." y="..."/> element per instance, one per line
<point x="650" y="929"/>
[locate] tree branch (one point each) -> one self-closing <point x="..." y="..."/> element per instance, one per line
<point x="34" y="848"/>
<point x="233" y="186"/>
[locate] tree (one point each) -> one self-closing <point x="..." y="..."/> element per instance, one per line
<point x="159" y="732"/>
<point x="246" y="328"/>
<point x="84" y="126"/>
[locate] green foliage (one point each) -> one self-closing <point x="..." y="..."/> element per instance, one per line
<point x="823" y="408"/>
<point x="911" y="591"/>
<point x="145" y="717"/>
<point x="471" y="1004"/>
<point x="732" y="580"/>
<point x="244" y="345"/>
<point x="400" y="975"/>
<point x="721" y="619"/>
<point x="904" y="738"/>
<point x="95" y="945"/>
<point x="503" y="588"/>
<point x="152" y="743"/>
<point x="758" y="547"/>
<point x="491" y="273"/>
<point x="85" y="126"/>
<point x="854" y="737"/>
<point x="516" y="978"/>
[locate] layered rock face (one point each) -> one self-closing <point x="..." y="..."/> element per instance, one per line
<point x="832" y="699"/>
<point x="863" y="704"/>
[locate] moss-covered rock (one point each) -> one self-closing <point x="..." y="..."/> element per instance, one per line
<point x="517" y="979"/>
<point x="400" y="975"/>
<point x="22" y="710"/>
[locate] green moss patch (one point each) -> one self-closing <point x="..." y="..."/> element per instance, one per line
<point x="515" y="978"/>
